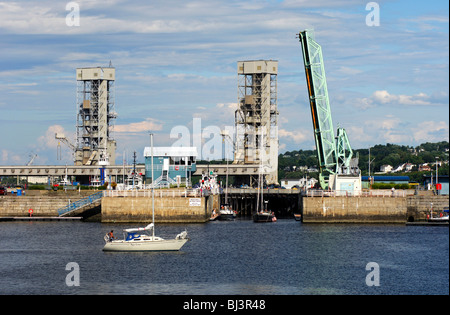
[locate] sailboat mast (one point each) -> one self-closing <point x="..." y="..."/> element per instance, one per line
<point x="153" y="189"/>
<point x="259" y="187"/>
<point x="226" y="186"/>
<point x="262" y="192"/>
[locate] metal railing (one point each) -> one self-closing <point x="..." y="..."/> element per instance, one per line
<point x="80" y="203"/>
<point x="345" y="193"/>
<point x="159" y="193"/>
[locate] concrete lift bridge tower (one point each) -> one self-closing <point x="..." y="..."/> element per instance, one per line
<point x="256" y="118"/>
<point x="95" y="114"/>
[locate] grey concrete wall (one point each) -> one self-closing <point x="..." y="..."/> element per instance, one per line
<point x="419" y="206"/>
<point x="167" y="209"/>
<point x="354" y="210"/>
<point x="370" y="209"/>
<point x="45" y="204"/>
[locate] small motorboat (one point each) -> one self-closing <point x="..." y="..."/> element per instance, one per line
<point x="226" y="213"/>
<point x="443" y="216"/>
<point x="214" y="216"/>
<point x="139" y="239"/>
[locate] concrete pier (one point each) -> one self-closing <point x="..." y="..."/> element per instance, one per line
<point x="418" y="207"/>
<point x="371" y="209"/>
<point x="354" y="210"/>
<point x="179" y="206"/>
<point x="43" y="203"/>
<point x="167" y="209"/>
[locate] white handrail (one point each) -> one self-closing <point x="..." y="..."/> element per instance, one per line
<point x="345" y="193"/>
<point x="158" y="193"/>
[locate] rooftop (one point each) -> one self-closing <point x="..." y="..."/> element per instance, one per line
<point x="171" y="151"/>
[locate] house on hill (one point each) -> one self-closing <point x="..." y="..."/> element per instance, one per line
<point x="386" y="168"/>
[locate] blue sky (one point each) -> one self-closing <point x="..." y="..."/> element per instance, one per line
<point x="176" y="60"/>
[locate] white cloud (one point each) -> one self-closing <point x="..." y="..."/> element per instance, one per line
<point x="349" y="71"/>
<point x="397" y="137"/>
<point x="383" y="97"/>
<point x="11" y="158"/>
<point x="358" y="135"/>
<point x="227" y="109"/>
<point x="48" y="139"/>
<point x="46" y="146"/>
<point x="388" y="122"/>
<point x="431" y="131"/>
<point x="149" y="124"/>
<point x="297" y="136"/>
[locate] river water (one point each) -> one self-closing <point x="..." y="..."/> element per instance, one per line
<point x="236" y="257"/>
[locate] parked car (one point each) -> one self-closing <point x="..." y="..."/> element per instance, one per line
<point x="3" y="190"/>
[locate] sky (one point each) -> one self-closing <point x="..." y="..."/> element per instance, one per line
<point x="177" y="60"/>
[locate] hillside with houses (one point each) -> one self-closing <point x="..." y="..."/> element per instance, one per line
<point x="388" y="159"/>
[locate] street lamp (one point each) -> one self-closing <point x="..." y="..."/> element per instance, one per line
<point x="370" y="162"/>
<point x="437" y="176"/>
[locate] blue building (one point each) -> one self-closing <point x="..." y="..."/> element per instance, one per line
<point x="441" y="179"/>
<point x="387" y="179"/>
<point x="171" y="165"/>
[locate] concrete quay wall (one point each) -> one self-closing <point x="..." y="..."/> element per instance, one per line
<point x="370" y="209"/>
<point x="43" y="205"/>
<point x="418" y="207"/>
<point x="167" y="209"/>
<point x="354" y="210"/>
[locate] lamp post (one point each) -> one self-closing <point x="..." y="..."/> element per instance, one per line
<point x="370" y="162"/>
<point x="437" y="176"/>
<point x="437" y="170"/>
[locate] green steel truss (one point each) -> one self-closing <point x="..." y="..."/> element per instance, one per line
<point x="334" y="153"/>
<point x="344" y="153"/>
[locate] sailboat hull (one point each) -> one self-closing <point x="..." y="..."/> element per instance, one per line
<point x="263" y="217"/>
<point x="227" y="217"/>
<point x="145" y="246"/>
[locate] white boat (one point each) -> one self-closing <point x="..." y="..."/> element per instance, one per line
<point x="439" y="219"/>
<point x="139" y="239"/>
<point x="443" y="215"/>
<point x="226" y="213"/>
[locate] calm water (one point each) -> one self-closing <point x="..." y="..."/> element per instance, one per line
<point x="238" y="257"/>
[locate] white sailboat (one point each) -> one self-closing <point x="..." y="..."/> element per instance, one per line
<point x="139" y="239"/>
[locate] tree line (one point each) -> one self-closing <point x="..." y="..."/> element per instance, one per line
<point x="290" y="162"/>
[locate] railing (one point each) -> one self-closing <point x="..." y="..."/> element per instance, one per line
<point x="80" y="203"/>
<point x="345" y="193"/>
<point x="159" y="193"/>
<point x="173" y="168"/>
